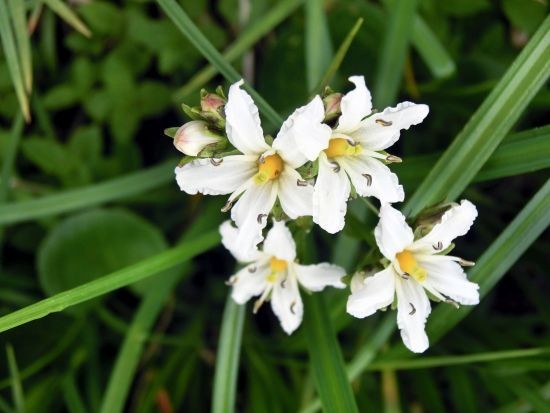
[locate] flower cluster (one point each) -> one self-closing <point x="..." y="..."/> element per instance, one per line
<point x="327" y="152"/>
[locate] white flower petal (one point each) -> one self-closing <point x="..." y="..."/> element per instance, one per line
<point x="303" y="135"/>
<point x="392" y="233"/>
<point x="229" y="235"/>
<point x="251" y="211"/>
<point x="296" y="200"/>
<point x="201" y="175"/>
<point x="382" y="130"/>
<point x="318" y="276"/>
<point x="377" y="292"/>
<point x="287" y="304"/>
<point x="243" y="125"/>
<point x="454" y="223"/>
<point x="249" y="282"/>
<point x="330" y="196"/>
<point x="355" y="105"/>
<point x="370" y="177"/>
<point x="413" y="308"/>
<point x="448" y="278"/>
<point x="279" y="242"/>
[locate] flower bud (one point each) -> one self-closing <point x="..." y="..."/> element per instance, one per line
<point x="332" y="106"/>
<point x="193" y="137"/>
<point x="211" y="102"/>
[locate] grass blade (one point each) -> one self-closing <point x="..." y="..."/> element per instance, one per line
<point x="22" y="38"/>
<point x="12" y="59"/>
<point x="16" y="386"/>
<point x="9" y="158"/>
<point x="67" y="14"/>
<point x="318" y="45"/>
<point x="326" y="359"/>
<point x="71" y="395"/>
<point x="121" y="278"/>
<point x="431" y="49"/>
<point x="280" y="11"/>
<point x="92" y="195"/>
<point x="488" y="126"/>
<point x="394" y="49"/>
<point x="227" y="358"/>
<point x="195" y="36"/>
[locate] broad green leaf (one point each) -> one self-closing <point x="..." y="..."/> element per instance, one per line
<point x="84" y="247"/>
<point x="12" y="58"/>
<point x="118" y="279"/>
<point x="67" y="14"/>
<point x="488" y="126"/>
<point x="227" y="359"/>
<point x="318" y="46"/>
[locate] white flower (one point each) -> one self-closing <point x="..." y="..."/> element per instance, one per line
<point x="415" y="266"/>
<point x="193" y="137"/>
<point x="273" y="273"/>
<point x="262" y="173"/>
<point x="354" y="154"/>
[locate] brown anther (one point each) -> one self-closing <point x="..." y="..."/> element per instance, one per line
<point x="405" y="276"/>
<point x="466" y="263"/>
<point x="283" y="283"/>
<point x="351" y="142"/>
<point x="438" y="246"/>
<point x="257" y="304"/>
<point x="413" y="309"/>
<point x="232" y="280"/>
<point x="227" y="206"/>
<point x="261" y="217"/>
<point x="252" y="269"/>
<point x="368" y="177"/>
<point x="335" y="166"/>
<point x="393" y="159"/>
<point x="384" y="122"/>
<point x="301" y="182"/>
<point x="216" y="162"/>
<point x="292" y="305"/>
<point x="261" y="159"/>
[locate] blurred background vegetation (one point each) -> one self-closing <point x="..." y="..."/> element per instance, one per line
<point x="88" y="189"/>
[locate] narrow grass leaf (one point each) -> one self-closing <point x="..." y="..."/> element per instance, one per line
<point x="227" y="357"/>
<point x="259" y="28"/>
<point x="195" y="36"/>
<point x="67" y="14"/>
<point x="22" y="38"/>
<point x="488" y="126"/>
<point x="118" y="279"/>
<point x="431" y="49"/>
<point x="73" y="400"/>
<point x="326" y="361"/>
<point x="16" y="385"/>
<point x="318" y="46"/>
<point x="10" y="154"/>
<point x="394" y="48"/>
<point x="12" y="58"/>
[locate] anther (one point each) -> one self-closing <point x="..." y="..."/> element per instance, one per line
<point x="232" y="280"/>
<point x="384" y="122"/>
<point x="283" y="283"/>
<point x="466" y="263"/>
<point x="227" y="206"/>
<point x="216" y="162"/>
<point x="368" y="177"/>
<point x="257" y="304"/>
<point x="335" y="166"/>
<point x="252" y="269"/>
<point x="301" y="182"/>
<point x="452" y="302"/>
<point x="393" y="159"/>
<point x="438" y="246"/>
<point x="351" y="142"/>
<point x="261" y="217"/>
<point x="413" y="309"/>
<point x="261" y="159"/>
<point x="405" y="276"/>
<point x="292" y="307"/>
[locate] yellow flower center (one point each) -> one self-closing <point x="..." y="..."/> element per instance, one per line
<point x="277" y="266"/>
<point x="409" y="265"/>
<point x="269" y="168"/>
<point x="341" y="147"/>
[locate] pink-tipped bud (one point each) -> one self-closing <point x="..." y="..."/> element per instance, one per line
<point x="193" y="137"/>
<point x="211" y="102"/>
<point x="332" y="105"/>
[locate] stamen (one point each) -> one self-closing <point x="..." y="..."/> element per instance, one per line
<point x="283" y="283"/>
<point x="413" y="309"/>
<point x="466" y="263"/>
<point x="384" y="122"/>
<point x="216" y="162"/>
<point x="260" y="218"/>
<point x="232" y="280"/>
<point x="292" y="305"/>
<point x="438" y="246"/>
<point x="393" y="159"/>
<point x="368" y="178"/>
<point x="258" y="303"/>
<point x="301" y="182"/>
<point x="335" y="166"/>
<point x="252" y="269"/>
<point x="452" y="302"/>
<point x="405" y="276"/>
<point x="227" y="206"/>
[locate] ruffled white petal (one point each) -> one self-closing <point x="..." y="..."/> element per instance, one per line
<point x="303" y="135"/>
<point x="249" y="282"/>
<point x="279" y="242"/>
<point x="243" y="125"/>
<point x="355" y="105"/>
<point x="392" y="233"/>
<point x="201" y="175"/>
<point x="447" y="277"/>
<point x="251" y="211"/>
<point x="296" y="200"/>
<point x="318" y="276"/>
<point x="287" y="304"/>
<point x="330" y="196"/>
<point x="381" y="130"/>
<point x="380" y="181"/>
<point x="454" y="223"/>
<point x="413" y="308"/>
<point x="377" y="292"/>
<point x="229" y="235"/>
